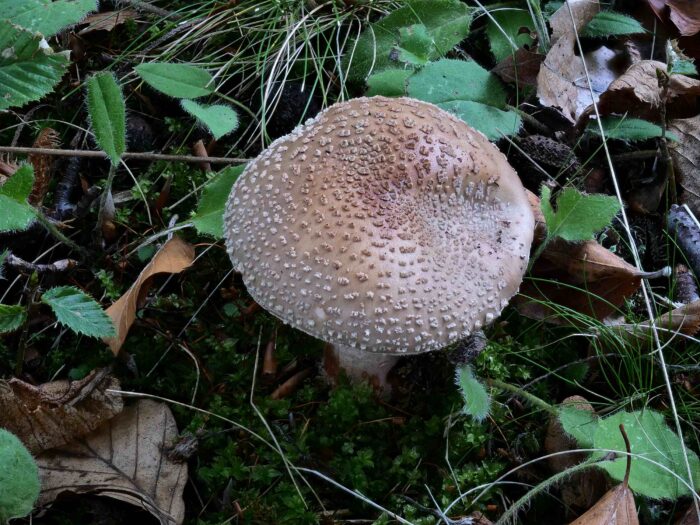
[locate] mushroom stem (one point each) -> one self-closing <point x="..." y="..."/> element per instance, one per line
<point x="359" y="365"/>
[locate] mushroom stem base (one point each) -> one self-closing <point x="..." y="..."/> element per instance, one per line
<point x="358" y="365"/>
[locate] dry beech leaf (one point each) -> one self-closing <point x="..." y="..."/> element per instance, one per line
<point x="637" y="92"/>
<point x="174" y="256"/>
<point x="686" y="158"/>
<point x="107" y="21"/>
<point x="615" y="508"/>
<point x="585" y="277"/>
<point x="125" y="459"/>
<point x="685" y="14"/>
<point x="684" y="320"/>
<point x="521" y="69"/>
<point x="690" y="517"/>
<point x="56" y="413"/>
<point x="561" y="82"/>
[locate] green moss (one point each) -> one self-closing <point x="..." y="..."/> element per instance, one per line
<point x="19" y="478"/>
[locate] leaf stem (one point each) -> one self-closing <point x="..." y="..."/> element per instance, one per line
<point x="534" y="400"/>
<point x="125" y="156"/>
<point x="626" y="479"/>
<point x="53" y="230"/>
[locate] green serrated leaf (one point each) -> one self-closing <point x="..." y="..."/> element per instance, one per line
<point x="477" y="402"/>
<point x="17" y="213"/>
<point x="19" y="478"/>
<point x="176" y="80"/>
<point x="633" y="129"/>
<point x="27" y="72"/>
<point x="446" y="21"/>
<point x="580" y="424"/>
<point x="11" y="317"/>
<point x="578" y="216"/>
<point x="78" y="311"/>
<point x="415" y="45"/>
<point x="470" y="92"/>
<point x="209" y="218"/>
<point x="651" y="439"/>
<point x="45" y="16"/>
<point x="218" y="118"/>
<point x="107" y="114"/>
<point x="511" y="22"/>
<point x="611" y="23"/>
<point x="388" y="83"/>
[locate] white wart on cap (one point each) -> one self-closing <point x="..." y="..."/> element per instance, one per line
<point x="386" y="225"/>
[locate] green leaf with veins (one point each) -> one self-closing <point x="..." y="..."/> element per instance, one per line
<point x="511" y="22"/>
<point x="416" y="45"/>
<point x="611" y="23"/>
<point x="650" y="439"/>
<point x="45" y="16"/>
<point x="28" y="70"/>
<point x="580" y="424"/>
<point x="17" y="213"/>
<point x="578" y="216"/>
<point x="632" y="129"/>
<point x="388" y="83"/>
<point x="470" y="92"/>
<point x="78" y="311"/>
<point x="209" y="218"/>
<point x="11" y="317"/>
<point x="107" y="114"/>
<point x="19" y="478"/>
<point x="176" y="80"/>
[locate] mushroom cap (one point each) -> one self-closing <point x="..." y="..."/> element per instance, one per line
<point x="384" y="224"/>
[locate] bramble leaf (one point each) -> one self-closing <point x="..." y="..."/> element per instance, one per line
<point x="11" y="317"/>
<point x="19" y="478"/>
<point x="17" y="213"/>
<point x="107" y="114"/>
<point x="578" y="216"/>
<point x="78" y="311"/>
<point x="28" y="70"/>
<point x="176" y="80"/>
<point x="45" y="16"/>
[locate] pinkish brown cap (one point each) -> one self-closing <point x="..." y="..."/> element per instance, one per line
<point x="383" y="224"/>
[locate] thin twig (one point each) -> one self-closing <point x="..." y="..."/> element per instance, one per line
<point x="125" y="156"/>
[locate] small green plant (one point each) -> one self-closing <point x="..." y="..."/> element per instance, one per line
<point x="19" y="478"/>
<point x="631" y="129"/>
<point x="189" y="82"/>
<point x="657" y="452"/>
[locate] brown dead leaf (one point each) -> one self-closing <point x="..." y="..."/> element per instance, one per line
<point x="107" y="21"/>
<point x="174" y="256"/>
<point x="124" y="459"/>
<point x="615" y="508"/>
<point x="561" y="82"/>
<point x="686" y="158"/>
<point x="637" y="92"/>
<point x="685" y="14"/>
<point x="48" y="138"/>
<point x="690" y="517"/>
<point x="521" y="69"/>
<point x="53" y="414"/>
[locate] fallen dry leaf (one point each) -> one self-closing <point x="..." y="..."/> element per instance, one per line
<point x="521" y="68"/>
<point x="690" y="517"/>
<point x="685" y="14"/>
<point x="615" y="508"/>
<point x="686" y="159"/>
<point x="56" y="413"/>
<point x="48" y="138"/>
<point x="124" y="459"/>
<point x="637" y="92"/>
<point x="107" y="21"/>
<point x="561" y="82"/>
<point x="173" y="257"/>
<point x="584" y="277"/>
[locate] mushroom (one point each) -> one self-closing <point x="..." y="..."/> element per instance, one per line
<point x="384" y="226"/>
